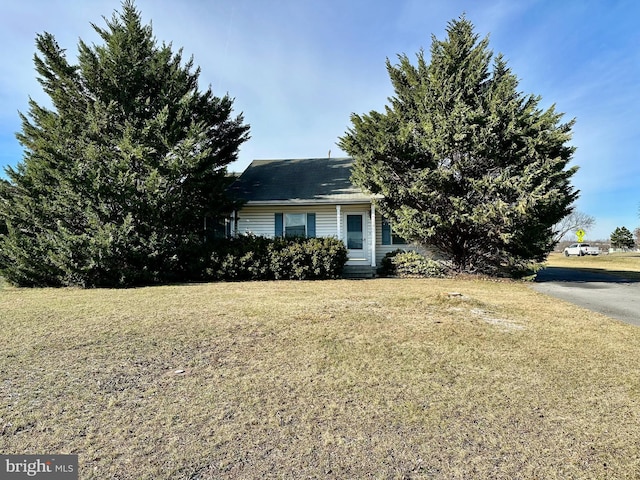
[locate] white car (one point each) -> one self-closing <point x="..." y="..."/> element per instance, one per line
<point x="581" y="249"/>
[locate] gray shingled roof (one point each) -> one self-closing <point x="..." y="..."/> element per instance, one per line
<point x="311" y="180"/>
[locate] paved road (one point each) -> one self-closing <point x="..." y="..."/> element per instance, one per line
<point x="615" y="297"/>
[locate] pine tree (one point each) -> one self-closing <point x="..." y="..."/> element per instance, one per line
<point x="3" y="224"/>
<point x="119" y="174"/>
<point x="462" y="162"/>
<point x="622" y="238"/>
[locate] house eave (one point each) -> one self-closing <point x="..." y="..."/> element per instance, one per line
<point x="300" y="202"/>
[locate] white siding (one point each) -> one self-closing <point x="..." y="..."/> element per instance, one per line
<point x="256" y="220"/>
<point x="260" y="220"/>
<point x="326" y="225"/>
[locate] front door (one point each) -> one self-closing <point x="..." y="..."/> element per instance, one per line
<point x="356" y="240"/>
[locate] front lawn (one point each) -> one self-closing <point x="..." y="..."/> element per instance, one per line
<point x="339" y="379"/>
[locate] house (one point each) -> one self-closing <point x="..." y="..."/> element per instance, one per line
<point x="315" y="198"/>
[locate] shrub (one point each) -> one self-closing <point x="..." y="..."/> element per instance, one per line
<point x="241" y="258"/>
<point x="249" y="257"/>
<point x="411" y="264"/>
<point x="284" y="259"/>
<point x="309" y="259"/>
<point x="387" y="266"/>
<point x="328" y="257"/>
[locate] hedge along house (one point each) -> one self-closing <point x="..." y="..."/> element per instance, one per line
<point x="313" y="198"/>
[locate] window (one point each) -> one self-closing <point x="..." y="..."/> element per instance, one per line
<point x="355" y="234"/>
<point x="295" y="225"/>
<point x="388" y="235"/>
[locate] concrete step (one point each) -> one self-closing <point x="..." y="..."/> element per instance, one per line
<point x="358" y="271"/>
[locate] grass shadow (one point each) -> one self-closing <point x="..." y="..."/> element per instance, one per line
<point x="586" y="275"/>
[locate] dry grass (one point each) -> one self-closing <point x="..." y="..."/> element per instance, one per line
<point x="342" y="379"/>
<point x="622" y="264"/>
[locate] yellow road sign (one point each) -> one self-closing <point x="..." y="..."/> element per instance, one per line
<point x="580" y="234"/>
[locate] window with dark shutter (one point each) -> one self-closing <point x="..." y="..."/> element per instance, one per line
<point x="295" y="225"/>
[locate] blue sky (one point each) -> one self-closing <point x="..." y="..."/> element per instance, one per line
<point x="298" y="68"/>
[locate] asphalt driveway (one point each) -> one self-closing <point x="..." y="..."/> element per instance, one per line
<point x="614" y="296"/>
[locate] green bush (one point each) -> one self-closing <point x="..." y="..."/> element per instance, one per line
<point x="387" y="266"/>
<point x="410" y="264"/>
<point x="328" y="257"/>
<point x="284" y="258"/>
<point x="241" y="258"/>
<point x="249" y="257"/>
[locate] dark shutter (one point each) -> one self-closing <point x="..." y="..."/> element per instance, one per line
<point x="279" y="225"/>
<point x="386" y="232"/>
<point x="311" y="225"/>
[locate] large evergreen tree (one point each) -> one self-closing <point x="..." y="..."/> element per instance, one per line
<point x="461" y="161"/>
<point x="120" y="172"/>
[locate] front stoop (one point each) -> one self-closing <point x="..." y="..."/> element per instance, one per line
<point x="358" y="271"/>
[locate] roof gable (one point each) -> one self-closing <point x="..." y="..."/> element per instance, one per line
<point x="313" y="180"/>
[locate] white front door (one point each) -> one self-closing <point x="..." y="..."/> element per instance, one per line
<point x="355" y="237"/>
